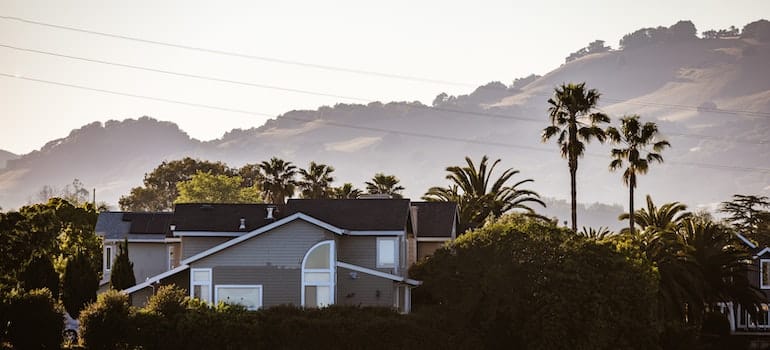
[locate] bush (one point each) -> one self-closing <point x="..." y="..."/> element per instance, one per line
<point x="107" y="323"/>
<point x="35" y="320"/>
<point x="715" y="323"/>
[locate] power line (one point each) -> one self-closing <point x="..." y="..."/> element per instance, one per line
<point x="343" y="125"/>
<point x="316" y="93"/>
<point x="240" y="55"/>
<point x="357" y="71"/>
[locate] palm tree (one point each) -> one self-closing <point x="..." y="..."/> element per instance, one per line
<point x="385" y="184"/>
<point x="316" y="180"/>
<point x="478" y="197"/>
<point x="346" y="191"/>
<point x="635" y="138"/>
<point x="572" y="118"/>
<point x="277" y="180"/>
<point x="667" y="218"/>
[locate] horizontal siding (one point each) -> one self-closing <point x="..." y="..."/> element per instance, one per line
<point x="279" y="285"/>
<point x="361" y="251"/>
<point x="195" y="245"/>
<point x="284" y="246"/>
<point x="149" y="259"/>
<point x="364" y="289"/>
<point x="425" y="249"/>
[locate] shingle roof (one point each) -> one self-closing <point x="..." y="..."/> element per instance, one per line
<point x="111" y="225"/>
<point x="149" y="223"/>
<point x="355" y="214"/>
<point x="221" y="217"/>
<point x="119" y="225"/>
<point x="435" y="219"/>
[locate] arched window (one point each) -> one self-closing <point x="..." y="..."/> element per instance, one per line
<point x="318" y="275"/>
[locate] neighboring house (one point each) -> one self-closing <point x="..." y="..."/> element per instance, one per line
<point x="151" y="246"/>
<point x="759" y="277"/>
<point x="308" y="253"/>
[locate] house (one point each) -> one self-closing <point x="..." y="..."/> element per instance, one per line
<point x="308" y="252"/>
<point x="759" y="277"/>
<point x="151" y="246"/>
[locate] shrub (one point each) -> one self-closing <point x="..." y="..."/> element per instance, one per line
<point x="715" y="323"/>
<point x="36" y="321"/>
<point x="107" y="323"/>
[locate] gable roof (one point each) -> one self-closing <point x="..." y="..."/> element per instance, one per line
<point x="435" y="219"/>
<point x="140" y="225"/>
<point x="221" y="217"/>
<point x="263" y="229"/>
<point x="355" y="214"/>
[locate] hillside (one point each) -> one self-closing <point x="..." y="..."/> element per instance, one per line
<point x="710" y="97"/>
<point x="5" y="156"/>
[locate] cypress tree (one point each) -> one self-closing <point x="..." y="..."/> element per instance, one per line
<point x="40" y="273"/>
<point x="122" y="275"/>
<point x="79" y="285"/>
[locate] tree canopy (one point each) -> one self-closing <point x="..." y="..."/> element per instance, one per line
<point x="208" y="188"/>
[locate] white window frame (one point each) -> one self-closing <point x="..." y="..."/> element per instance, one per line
<point x="331" y="270"/>
<point x="109" y="251"/>
<point x="762" y="273"/>
<point x="193" y="283"/>
<point x="396" y="247"/>
<point x="225" y="286"/>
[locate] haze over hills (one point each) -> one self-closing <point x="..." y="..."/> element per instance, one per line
<point x="710" y="98"/>
<point x="5" y="156"/>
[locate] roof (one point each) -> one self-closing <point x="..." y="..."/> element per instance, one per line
<point x="119" y="225"/>
<point x="435" y="219"/>
<point x="221" y="217"/>
<point x="355" y="214"/>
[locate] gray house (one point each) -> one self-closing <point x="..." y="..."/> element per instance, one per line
<point x="151" y="246"/>
<point x="309" y="253"/>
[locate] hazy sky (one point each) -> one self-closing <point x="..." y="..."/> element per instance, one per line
<point x="469" y="42"/>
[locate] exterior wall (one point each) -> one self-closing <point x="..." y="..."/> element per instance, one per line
<point x="176" y="250"/>
<point x="149" y="259"/>
<point x="181" y="280"/>
<point x="362" y="251"/>
<point x="195" y="245"/>
<point x="425" y="249"/>
<point x="364" y="289"/>
<point x="411" y="251"/>
<point x="279" y="285"/>
<point x="140" y="297"/>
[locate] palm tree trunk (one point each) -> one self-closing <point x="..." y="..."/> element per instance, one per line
<point x="573" y="193"/>
<point x="631" y="186"/>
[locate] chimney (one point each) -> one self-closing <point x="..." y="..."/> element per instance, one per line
<point x="270" y="213"/>
<point x="242" y="226"/>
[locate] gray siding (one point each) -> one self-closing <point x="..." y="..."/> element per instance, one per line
<point x="140" y="297"/>
<point x="284" y="246"/>
<point x="364" y="289"/>
<point x="181" y="280"/>
<point x="195" y="245"/>
<point x="425" y="249"/>
<point x="362" y="251"/>
<point x="149" y="259"/>
<point x="279" y="285"/>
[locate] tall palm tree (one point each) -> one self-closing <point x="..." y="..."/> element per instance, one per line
<point x="277" y="180"/>
<point x="478" y="197"/>
<point x="385" y="184"/>
<point x="634" y="138"/>
<point x="316" y="181"/>
<point x="346" y="191"/>
<point x="667" y="218"/>
<point x="573" y="118"/>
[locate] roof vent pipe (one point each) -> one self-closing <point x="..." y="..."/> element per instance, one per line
<point x="243" y="224"/>
<point x="270" y="213"/>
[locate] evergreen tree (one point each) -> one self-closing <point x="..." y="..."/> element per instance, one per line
<point x="79" y="284"/>
<point x="40" y="273"/>
<point x="122" y="276"/>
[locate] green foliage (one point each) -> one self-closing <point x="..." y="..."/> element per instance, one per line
<point x="316" y="181"/>
<point x="346" y="191"/>
<point x="681" y="31"/>
<point x="277" y="181"/>
<point x="209" y="188"/>
<point x="107" y="323"/>
<point x="39" y="273"/>
<point x="750" y="215"/>
<point x="478" y="198"/>
<point x="79" y="284"/>
<point x="573" y="119"/>
<point x="160" y="185"/>
<point x="168" y="301"/>
<point x="522" y="283"/>
<point x="35" y="320"/>
<point x="122" y="275"/>
<point x="385" y="184"/>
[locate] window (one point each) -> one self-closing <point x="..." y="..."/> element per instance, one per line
<point x="250" y="296"/>
<point x="318" y="275"/>
<point x="387" y="252"/>
<point x="764" y="273"/>
<point x="200" y="284"/>
<point x="107" y="258"/>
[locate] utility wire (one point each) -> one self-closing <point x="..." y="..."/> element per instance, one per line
<point x="343" y="125"/>
<point x="356" y="71"/>
<point x="316" y="93"/>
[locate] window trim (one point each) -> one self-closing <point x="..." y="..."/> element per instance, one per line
<point x="396" y="247"/>
<point x="331" y="270"/>
<point x="762" y="272"/>
<point x="225" y="286"/>
<point x="109" y="252"/>
<point x="209" y="284"/>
